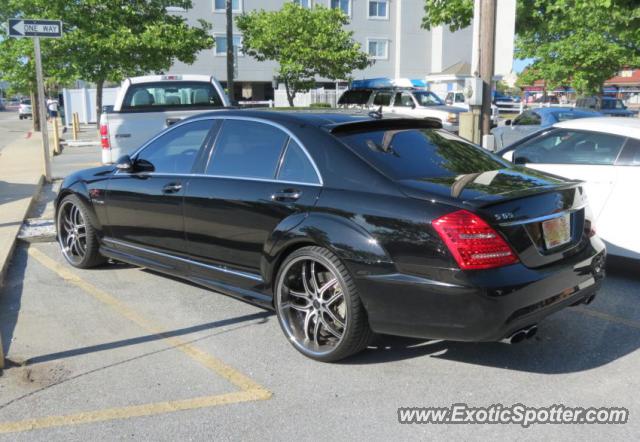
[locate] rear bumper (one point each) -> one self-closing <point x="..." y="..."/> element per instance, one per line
<point x="486" y="305"/>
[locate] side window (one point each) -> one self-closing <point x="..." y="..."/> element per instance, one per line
<point x="571" y="147"/>
<point x="527" y="118"/>
<point x="247" y="149"/>
<point x="403" y="100"/>
<point x="296" y="166"/>
<point x="630" y="156"/>
<point x="382" y="99"/>
<point x="176" y="151"/>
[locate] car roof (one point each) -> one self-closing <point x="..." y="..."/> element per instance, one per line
<point x="333" y="120"/>
<point x="315" y="118"/>
<point x="623" y="126"/>
<point x="544" y="111"/>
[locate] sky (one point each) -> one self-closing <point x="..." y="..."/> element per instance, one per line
<point x="519" y="65"/>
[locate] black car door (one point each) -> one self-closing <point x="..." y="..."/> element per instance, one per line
<point x="257" y="175"/>
<point x="145" y="204"/>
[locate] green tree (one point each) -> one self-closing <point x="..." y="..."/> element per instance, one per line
<point x="108" y="40"/>
<point x="577" y="42"/>
<point x="306" y="43"/>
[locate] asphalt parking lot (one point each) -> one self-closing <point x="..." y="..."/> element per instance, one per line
<point x="120" y="352"/>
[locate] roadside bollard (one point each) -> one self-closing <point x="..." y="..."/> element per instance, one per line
<point x="74" y="126"/>
<point x="56" y="136"/>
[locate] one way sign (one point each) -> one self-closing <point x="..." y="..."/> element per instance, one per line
<point x="35" y="28"/>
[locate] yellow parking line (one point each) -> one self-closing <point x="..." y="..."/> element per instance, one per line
<point x="214" y="364"/>
<point x="130" y="412"/>
<point x="249" y="389"/>
<point x="608" y="317"/>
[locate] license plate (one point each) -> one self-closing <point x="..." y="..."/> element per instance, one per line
<point x="557" y="231"/>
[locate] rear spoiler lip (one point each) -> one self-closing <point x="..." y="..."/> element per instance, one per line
<point x="385" y="123"/>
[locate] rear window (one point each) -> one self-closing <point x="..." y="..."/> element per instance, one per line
<point x="420" y="153"/>
<point x="171" y="94"/>
<point x="355" y="97"/>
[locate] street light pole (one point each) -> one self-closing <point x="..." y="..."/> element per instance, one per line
<point x="487" y="59"/>
<point x="42" y="110"/>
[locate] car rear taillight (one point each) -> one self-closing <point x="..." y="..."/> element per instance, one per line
<point x="473" y="243"/>
<point x="104" y="136"/>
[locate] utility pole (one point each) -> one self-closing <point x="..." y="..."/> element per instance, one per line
<point x="230" y="51"/>
<point x="487" y="59"/>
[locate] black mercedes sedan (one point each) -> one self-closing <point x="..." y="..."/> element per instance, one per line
<point x="344" y="224"/>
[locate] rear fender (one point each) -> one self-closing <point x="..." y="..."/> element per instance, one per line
<point x="359" y="251"/>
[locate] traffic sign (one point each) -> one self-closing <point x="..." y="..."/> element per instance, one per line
<point x="35" y="28"/>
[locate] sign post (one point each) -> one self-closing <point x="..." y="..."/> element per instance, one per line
<point x="36" y="29"/>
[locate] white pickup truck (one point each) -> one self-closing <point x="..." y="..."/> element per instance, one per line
<point x="146" y="105"/>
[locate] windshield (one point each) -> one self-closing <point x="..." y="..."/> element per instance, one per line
<point x="420" y="153"/>
<point x="425" y="98"/>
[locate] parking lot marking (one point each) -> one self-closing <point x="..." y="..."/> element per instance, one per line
<point x="608" y="317"/>
<point x="249" y="389"/>
<point x="130" y="411"/>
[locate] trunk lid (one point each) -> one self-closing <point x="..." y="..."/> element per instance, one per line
<point x="523" y="205"/>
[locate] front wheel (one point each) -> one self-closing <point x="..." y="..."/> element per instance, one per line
<point x="318" y="306"/>
<point x="76" y="234"/>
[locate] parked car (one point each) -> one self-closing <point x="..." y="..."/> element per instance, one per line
<point x="24" y="109"/>
<point x="146" y="105"/>
<point x="550" y="99"/>
<point x="2" y="105"/>
<point x="533" y="120"/>
<point x="605" y="153"/>
<point x="344" y="224"/>
<point x="414" y="103"/>
<point x="607" y="105"/>
<point x="458" y="99"/>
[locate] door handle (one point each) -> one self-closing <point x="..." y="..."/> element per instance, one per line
<point x="172" y="188"/>
<point x="286" y="195"/>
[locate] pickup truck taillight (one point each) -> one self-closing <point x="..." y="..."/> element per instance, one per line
<point x="104" y="136"/>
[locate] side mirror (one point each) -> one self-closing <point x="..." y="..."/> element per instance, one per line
<point x="413" y="105"/>
<point x="507" y="123"/>
<point x="520" y="160"/>
<point x="124" y="163"/>
<point x="141" y="165"/>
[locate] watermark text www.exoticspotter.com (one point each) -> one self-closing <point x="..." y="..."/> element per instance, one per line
<point x="516" y="414"/>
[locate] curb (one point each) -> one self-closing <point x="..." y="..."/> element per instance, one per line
<point x="4" y="265"/>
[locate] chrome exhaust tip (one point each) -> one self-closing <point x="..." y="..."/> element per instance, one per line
<point x="520" y="335"/>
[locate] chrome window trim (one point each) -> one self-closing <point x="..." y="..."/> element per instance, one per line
<point x="204" y="175"/>
<point x="241" y="118"/>
<point x="542" y="218"/>
<point x="188" y="261"/>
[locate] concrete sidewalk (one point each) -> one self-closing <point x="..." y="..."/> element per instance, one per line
<point x="21" y="176"/>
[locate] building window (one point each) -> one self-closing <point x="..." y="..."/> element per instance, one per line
<point x="378" y="9"/>
<point x="221" y="45"/>
<point x="344" y="5"/>
<point x="378" y="48"/>
<point x="221" y="5"/>
<point x="304" y="3"/>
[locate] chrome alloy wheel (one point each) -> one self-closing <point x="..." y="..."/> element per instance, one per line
<point x="72" y="232"/>
<point x="311" y="303"/>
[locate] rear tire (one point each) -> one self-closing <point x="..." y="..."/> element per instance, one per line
<point x="318" y="306"/>
<point x="77" y="234"/>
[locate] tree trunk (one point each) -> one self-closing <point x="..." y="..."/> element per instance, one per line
<point x="99" y="87"/>
<point x="35" y="110"/>
<point x="290" y="94"/>
<point x="230" y="51"/>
